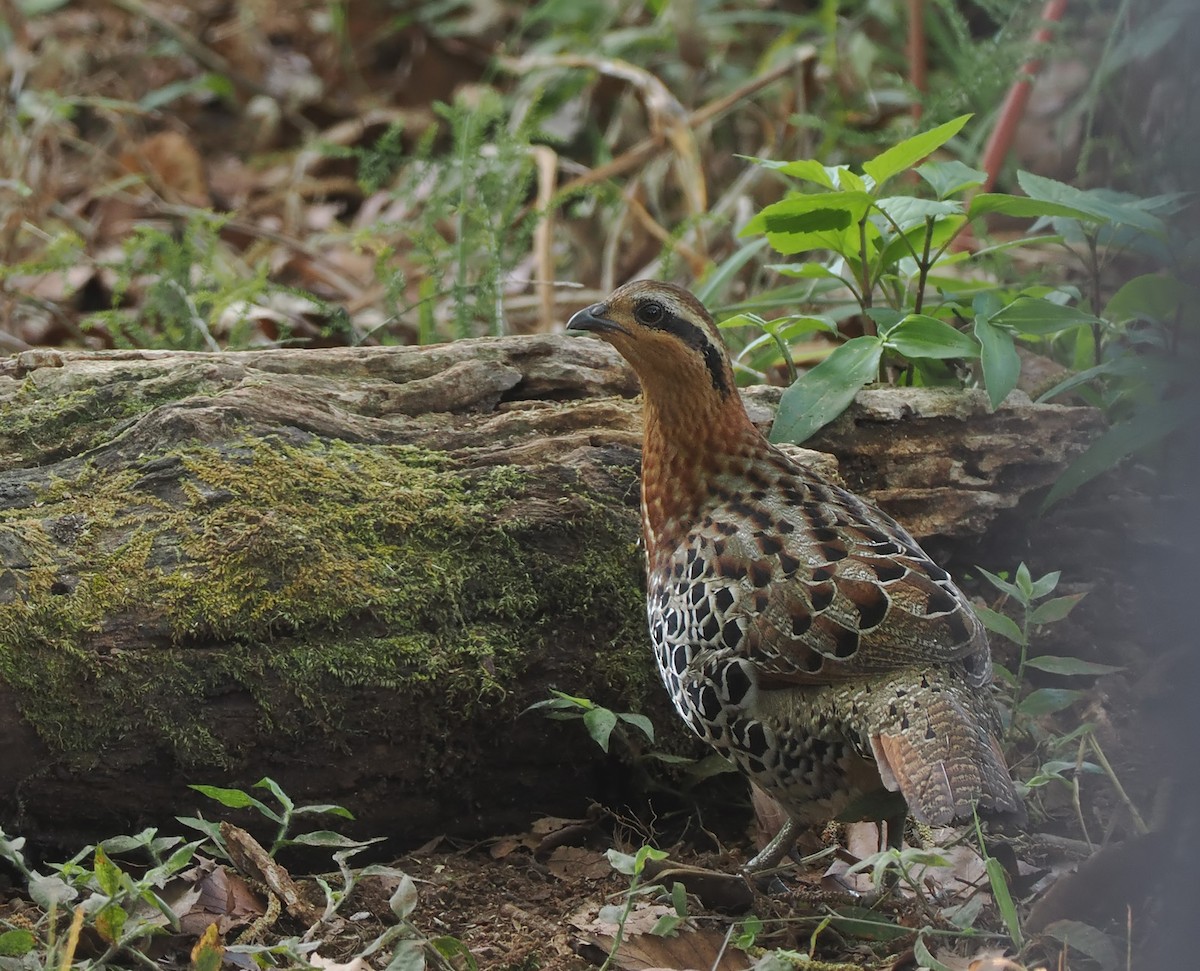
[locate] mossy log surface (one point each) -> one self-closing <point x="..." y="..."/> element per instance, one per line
<point x="353" y="569"/>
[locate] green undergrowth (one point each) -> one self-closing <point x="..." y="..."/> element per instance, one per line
<point x="288" y="570"/>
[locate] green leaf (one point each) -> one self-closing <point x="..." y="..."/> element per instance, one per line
<point x="715" y="281"/>
<point x="1044" y="585"/>
<point x="1046" y="701"/>
<point x="667" y="925"/>
<point x="1069" y="666"/>
<point x="456" y="953"/>
<point x="404" y="899"/>
<point x="640" y="722"/>
<point x="925" y="959"/>
<point x="1054" y="610"/>
<point x="998" y="354"/>
<point x="324" y="809"/>
<point x="909" y="211"/>
<point x="949" y="178"/>
<point x="1142" y="430"/>
<point x="273" y="787"/>
<point x="408" y="955"/>
<point x="1020" y="206"/>
<point x="1001" y="624"/>
<point x="1004" y="901"/>
<point x="1001" y="584"/>
<point x="621" y="862"/>
<point x="108" y="874"/>
<point x="236" y="799"/>
<point x="600" y="722"/>
<point x="1087" y="940"/>
<point x="801" y="223"/>
<point x="1036" y="315"/>
<point x="327" y="837"/>
<point x="15" y="943"/>
<point x="1024" y="582"/>
<point x="910" y="151"/>
<point x="1151" y="296"/>
<point x="823" y="393"/>
<point x="918" y="335"/>
<point x="1099" y="207"/>
<point x="51" y="891"/>
<point x="808" y="169"/>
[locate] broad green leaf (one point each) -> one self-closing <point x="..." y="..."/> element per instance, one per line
<point x="455" y="952"/>
<point x="1036" y="315"/>
<point x="802" y="223"/>
<point x="1045" y="584"/>
<point x="868" y="924"/>
<point x="408" y="955"/>
<point x="236" y="799"/>
<point x="905" y="155"/>
<point x="949" y="178"/>
<point x="998" y="354"/>
<point x="327" y="837"/>
<point x="1092" y="201"/>
<point x="600" y="722"/>
<point x="1150" y="297"/>
<point x="1054" y="610"/>
<point x="823" y="393"/>
<point x="404" y="899"/>
<point x="1001" y="624"/>
<point x="886" y="318"/>
<point x="110" y="921"/>
<point x="324" y="808"/>
<point x="667" y="925"/>
<point x="918" y="335"/>
<point x="621" y="862"/>
<point x="1022" y="206"/>
<point x="1046" y="701"/>
<point x="1024" y="582"/>
<point x="640" y="722"/>
<point x="808" y="169"/>
<point x="1069" y="666"/>
<point x="108" y="874"/>
<point x="1142" y="430"/>
<point x="909" y="211"/>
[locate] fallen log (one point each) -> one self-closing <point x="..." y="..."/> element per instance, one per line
<point x="352" y="570"/>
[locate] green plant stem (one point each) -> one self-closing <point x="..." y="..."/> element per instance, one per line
<point x="1138" y="822"/>
<point x="1075" y="800"/>
<point x="620" y="935"/>
<point x="923" y="265"/>
<point x="867" y="285"/>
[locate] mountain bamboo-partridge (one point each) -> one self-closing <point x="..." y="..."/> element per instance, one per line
<point x="800" y="631"/>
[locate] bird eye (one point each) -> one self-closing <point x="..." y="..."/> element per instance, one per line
<point x="649" y="313"/>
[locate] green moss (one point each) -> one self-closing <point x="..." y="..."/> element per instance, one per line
<point x="287" y="569"/>
<point x="78" y="418"/>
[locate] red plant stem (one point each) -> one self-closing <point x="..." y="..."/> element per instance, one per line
<point x="917" y="60"/>
<point x="1001" y="139"/>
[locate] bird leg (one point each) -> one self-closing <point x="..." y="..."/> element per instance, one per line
<point x="779" y="847"/>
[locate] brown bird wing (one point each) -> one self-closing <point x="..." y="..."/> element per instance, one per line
<point x="821" y="587"/>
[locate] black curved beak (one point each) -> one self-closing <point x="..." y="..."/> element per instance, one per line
<point x="593" y="319"/>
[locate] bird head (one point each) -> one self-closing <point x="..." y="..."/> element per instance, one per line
<point x="665" y="334"/>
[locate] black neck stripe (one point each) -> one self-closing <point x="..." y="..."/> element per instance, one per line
<point x="693" y="336"/>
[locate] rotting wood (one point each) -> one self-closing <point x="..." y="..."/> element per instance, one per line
<point x="353" y="569"/>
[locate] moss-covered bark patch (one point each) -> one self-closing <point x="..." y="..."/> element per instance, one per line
<point x="284" y="570"/>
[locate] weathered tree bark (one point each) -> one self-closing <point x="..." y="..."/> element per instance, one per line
<point x="352" y="570"/>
